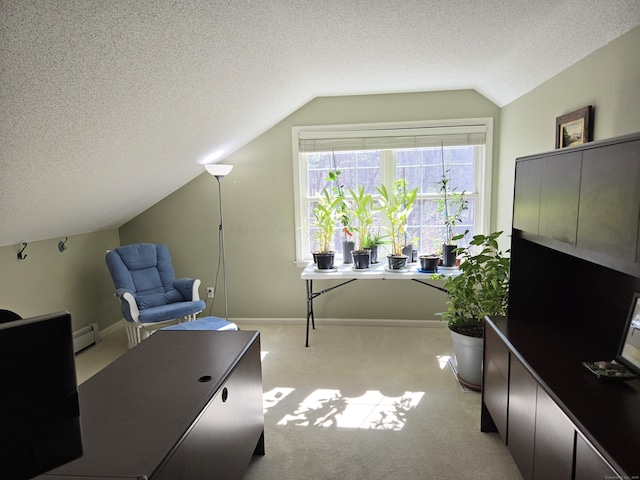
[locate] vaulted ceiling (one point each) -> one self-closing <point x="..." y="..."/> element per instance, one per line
<point x="109" y="106"/>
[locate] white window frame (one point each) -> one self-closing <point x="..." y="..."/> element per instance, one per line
<point x="483" y="172"/>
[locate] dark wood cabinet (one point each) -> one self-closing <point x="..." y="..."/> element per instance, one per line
<point x="590" y="465"/>
<point x="522" y="417"/>
<point x="180" y="405"/>
<point x="554" y="441"/>
<point x="610" y="200"/>
<point x="526" y="204"/>
<point x="496" y="378"/>
<point x="575" y="266"/>
<point x="559" y="197"/>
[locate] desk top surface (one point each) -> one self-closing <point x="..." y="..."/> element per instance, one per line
<point x="378" y="271"/>
<point x="134" y="410"/>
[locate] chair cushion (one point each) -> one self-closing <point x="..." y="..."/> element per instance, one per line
<point x="144" y="268"/>
<point x="173" y="310"/>
<point x="158" y="299"/>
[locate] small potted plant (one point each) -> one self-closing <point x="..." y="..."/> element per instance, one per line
<point x="481" y="288"/>
<point x="451" y="205"/>
<point x="325" y="218"/>
<point x="397" y="205"/>
<point x="372" y="242"/>
<point x="363" y="215"/>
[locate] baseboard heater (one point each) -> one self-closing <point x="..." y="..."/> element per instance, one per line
<point x="85" y="336"/>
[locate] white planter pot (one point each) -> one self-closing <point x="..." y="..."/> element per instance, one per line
<point x="468" y="352"/>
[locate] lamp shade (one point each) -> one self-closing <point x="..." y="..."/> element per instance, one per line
<point x="218" y="170"/>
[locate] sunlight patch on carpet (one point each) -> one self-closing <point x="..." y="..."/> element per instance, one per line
<point x="371" y="411"/>
<point x="274" y="396"/>
<point x="443" y="360"/>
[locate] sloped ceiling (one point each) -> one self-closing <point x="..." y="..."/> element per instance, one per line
<point x="107" y="106"/>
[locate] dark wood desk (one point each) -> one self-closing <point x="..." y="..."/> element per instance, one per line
<point x="180" y="405"/>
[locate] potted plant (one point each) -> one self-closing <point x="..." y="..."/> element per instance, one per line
<point x="372" y="242"/>
<point x="344" y="214"/>
<point x="429" y="263"/>
<point x="451" y="204"/>
<point x="410" y="249"/>
<point x="480" y="289"/>
<point x="397" y="205"/>
<point x="363" y="215"/>
<point x="325" y="218"/>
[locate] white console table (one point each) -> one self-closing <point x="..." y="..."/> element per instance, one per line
<point x="346" y="274"/>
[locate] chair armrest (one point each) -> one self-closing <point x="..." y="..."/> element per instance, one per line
<point x="188" y="287"/>
<point x="128" y="305"/>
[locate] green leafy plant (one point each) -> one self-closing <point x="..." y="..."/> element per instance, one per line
<point x="482" y="286"/>
<point x="345" y="213"/>
<point x="397" y="205"/>
<point x="374" y="239"/>
<point x="451" y="204"/>
<point x="363" y="215"/>
<point x="325" y="216"/>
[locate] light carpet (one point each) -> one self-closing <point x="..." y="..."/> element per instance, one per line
<point x="375" y="403"/>
<point x="370" y="403"/>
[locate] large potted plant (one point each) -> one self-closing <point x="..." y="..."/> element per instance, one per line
<point x="325" y="217"/>
<point x="451" y="205"/>
<point x="397" y="204"/>
<point x="481" y="288"/>
<point x="363" y="219"/>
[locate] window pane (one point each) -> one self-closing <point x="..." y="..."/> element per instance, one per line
<point x="420" y="167"/>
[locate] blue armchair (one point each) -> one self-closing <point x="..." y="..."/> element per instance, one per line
<point x="150" y="296"/>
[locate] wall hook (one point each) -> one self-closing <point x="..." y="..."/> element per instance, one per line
<point x="62" y="246"/>
<point x="22" y="256"/>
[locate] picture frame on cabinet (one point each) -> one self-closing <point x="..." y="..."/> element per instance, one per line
<point x="575" y="128"/>
<point x="629" y="350"/>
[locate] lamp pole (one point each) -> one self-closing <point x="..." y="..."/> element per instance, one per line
<point x="224" y="265"/>
<point x="219" y="171"/>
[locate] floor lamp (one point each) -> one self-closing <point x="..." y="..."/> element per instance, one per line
<point x="219" y="171"/>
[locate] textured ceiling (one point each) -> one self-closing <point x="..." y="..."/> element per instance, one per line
<point x="106" y="107"/>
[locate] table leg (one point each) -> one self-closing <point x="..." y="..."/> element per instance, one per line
<point x="310" y="309"/>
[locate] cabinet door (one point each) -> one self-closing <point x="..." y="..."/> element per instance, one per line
<point x="526" y="201"/>
<point x="522" y="417"/>
<point x="610" y="200"/>
<point x="553" y="458"/>
<point x="589" y="464"/>
<point x="559" y="196"/>
<point x="495" y="387"/>
<point x="222" y="441"/>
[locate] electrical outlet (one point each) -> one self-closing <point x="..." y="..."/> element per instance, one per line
<point x="209" y="292"/>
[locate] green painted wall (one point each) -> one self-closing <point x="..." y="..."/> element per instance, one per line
<point x="262" y="278"/>
<point x="47" y="281"/>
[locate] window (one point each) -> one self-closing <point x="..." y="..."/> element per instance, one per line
<point x="375" y="154"/>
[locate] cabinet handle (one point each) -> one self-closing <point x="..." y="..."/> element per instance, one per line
<point x="225" y="394"/>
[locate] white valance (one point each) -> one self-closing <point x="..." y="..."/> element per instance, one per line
<point x="387" y="139"/>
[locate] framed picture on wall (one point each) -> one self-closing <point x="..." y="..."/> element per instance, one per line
<point x="574" y="128"/>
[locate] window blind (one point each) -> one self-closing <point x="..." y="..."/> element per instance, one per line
<point x="351" y="140"/>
